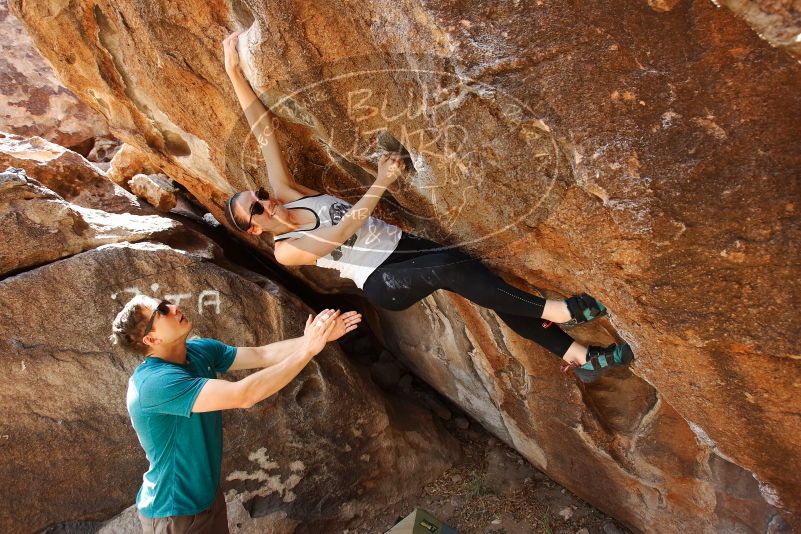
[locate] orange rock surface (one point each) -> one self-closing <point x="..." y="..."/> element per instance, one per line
<point x="644" y="152"/>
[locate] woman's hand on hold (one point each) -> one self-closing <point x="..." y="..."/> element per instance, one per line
<point x="232" y="54"/>
<point x="390" y="167"/>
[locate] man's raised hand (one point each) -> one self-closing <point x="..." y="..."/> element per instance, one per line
<point x="319" y="329"/>
<point x="347" y="322"/>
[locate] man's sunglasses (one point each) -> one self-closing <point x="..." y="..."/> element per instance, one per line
<point x="163" y="308"/>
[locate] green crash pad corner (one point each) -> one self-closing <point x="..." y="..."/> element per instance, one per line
<point x="421" y="522"/>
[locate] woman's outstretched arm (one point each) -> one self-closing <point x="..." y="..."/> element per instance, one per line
<point x="317" y="243"/>
<point x="262" y="124"/>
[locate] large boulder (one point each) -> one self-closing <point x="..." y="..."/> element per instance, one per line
<point x="324" y="450"/>
<point x="67" y="173"/>
<point x="39" y="226"/>
<point x="32" y="100"/>
<point x="644" y="152"/>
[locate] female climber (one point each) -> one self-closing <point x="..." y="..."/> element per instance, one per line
<point x="393" y="268"/>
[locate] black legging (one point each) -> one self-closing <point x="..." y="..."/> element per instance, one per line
<point x="418" y="267"/>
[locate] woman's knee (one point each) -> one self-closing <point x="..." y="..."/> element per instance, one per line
<point x="386" y="290"/>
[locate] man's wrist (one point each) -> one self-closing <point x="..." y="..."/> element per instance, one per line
<point x="306" y="350"/>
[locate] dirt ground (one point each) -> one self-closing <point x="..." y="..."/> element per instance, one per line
<point x="493" y="490"/>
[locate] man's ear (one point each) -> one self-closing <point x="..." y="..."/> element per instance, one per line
<point x="150" y="341"/>
<point x="255" y="229"/>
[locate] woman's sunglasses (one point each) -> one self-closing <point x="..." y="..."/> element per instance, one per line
<point x="163" y="308"/>
<point x="256" y="208"/>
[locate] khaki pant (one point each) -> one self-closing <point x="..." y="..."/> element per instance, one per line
<point x="211" y="521"/>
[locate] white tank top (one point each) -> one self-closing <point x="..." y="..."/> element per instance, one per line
<point x="365" y="250"/>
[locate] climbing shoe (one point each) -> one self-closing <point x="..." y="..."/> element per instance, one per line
<point x="600" y="360"/>
<point x="583" y="308"/>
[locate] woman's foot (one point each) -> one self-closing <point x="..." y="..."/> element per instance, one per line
<point x="599" y="360"/>
<point x="583" y="309"/>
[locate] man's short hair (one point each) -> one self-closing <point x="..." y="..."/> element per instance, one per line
<point x="237" y="222"/>
<point x="128" y="327"/>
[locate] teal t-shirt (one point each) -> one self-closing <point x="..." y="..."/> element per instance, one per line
<point x="184" y="448"/>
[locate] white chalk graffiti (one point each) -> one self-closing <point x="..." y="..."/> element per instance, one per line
<point x="267" y="483"/>
<point x="206" y="298"/>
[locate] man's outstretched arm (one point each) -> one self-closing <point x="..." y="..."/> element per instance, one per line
<point x="224" y="395"/>
<point x="261" y="124"/>
<point x="275" y="353"/>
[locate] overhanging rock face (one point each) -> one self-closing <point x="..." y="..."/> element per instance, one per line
<point x="644" y="152"/>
